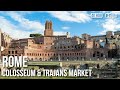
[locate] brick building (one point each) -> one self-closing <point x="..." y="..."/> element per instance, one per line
<point x="64" y="47"/>
<point x="5" y="40"/>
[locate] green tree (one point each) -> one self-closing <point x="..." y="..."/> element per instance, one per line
<point x="36" y="35"/>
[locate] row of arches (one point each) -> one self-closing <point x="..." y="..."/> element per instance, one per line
<point x="56" y="54"/>
<point x="57" y="59"/>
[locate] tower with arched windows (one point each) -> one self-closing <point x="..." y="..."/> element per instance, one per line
<point x="48" y="29"/>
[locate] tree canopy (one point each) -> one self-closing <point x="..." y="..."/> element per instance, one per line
<point x="36" y="35"/>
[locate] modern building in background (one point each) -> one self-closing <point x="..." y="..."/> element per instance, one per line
<point x="51" y="47"/>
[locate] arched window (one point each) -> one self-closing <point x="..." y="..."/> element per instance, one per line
<point x="55" y="47"/>
<point x="77" y="53"/>
<point x="73" y="53"/>
<point x="77" y="58"/>
<point x="40" y="59"/>
<point x="8" y="52"/>
<point x="51" y="59"/>
<point x="101" y="54"/>
<point x="12" y="52"/>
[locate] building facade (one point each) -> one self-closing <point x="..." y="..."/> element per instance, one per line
<point x="50" y="47"/>
<point x="5" y="41"/>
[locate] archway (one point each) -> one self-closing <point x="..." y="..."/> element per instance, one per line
<point x="40" y="59"/>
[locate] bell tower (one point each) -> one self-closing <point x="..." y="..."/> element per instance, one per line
<point x="48" y="29"/>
